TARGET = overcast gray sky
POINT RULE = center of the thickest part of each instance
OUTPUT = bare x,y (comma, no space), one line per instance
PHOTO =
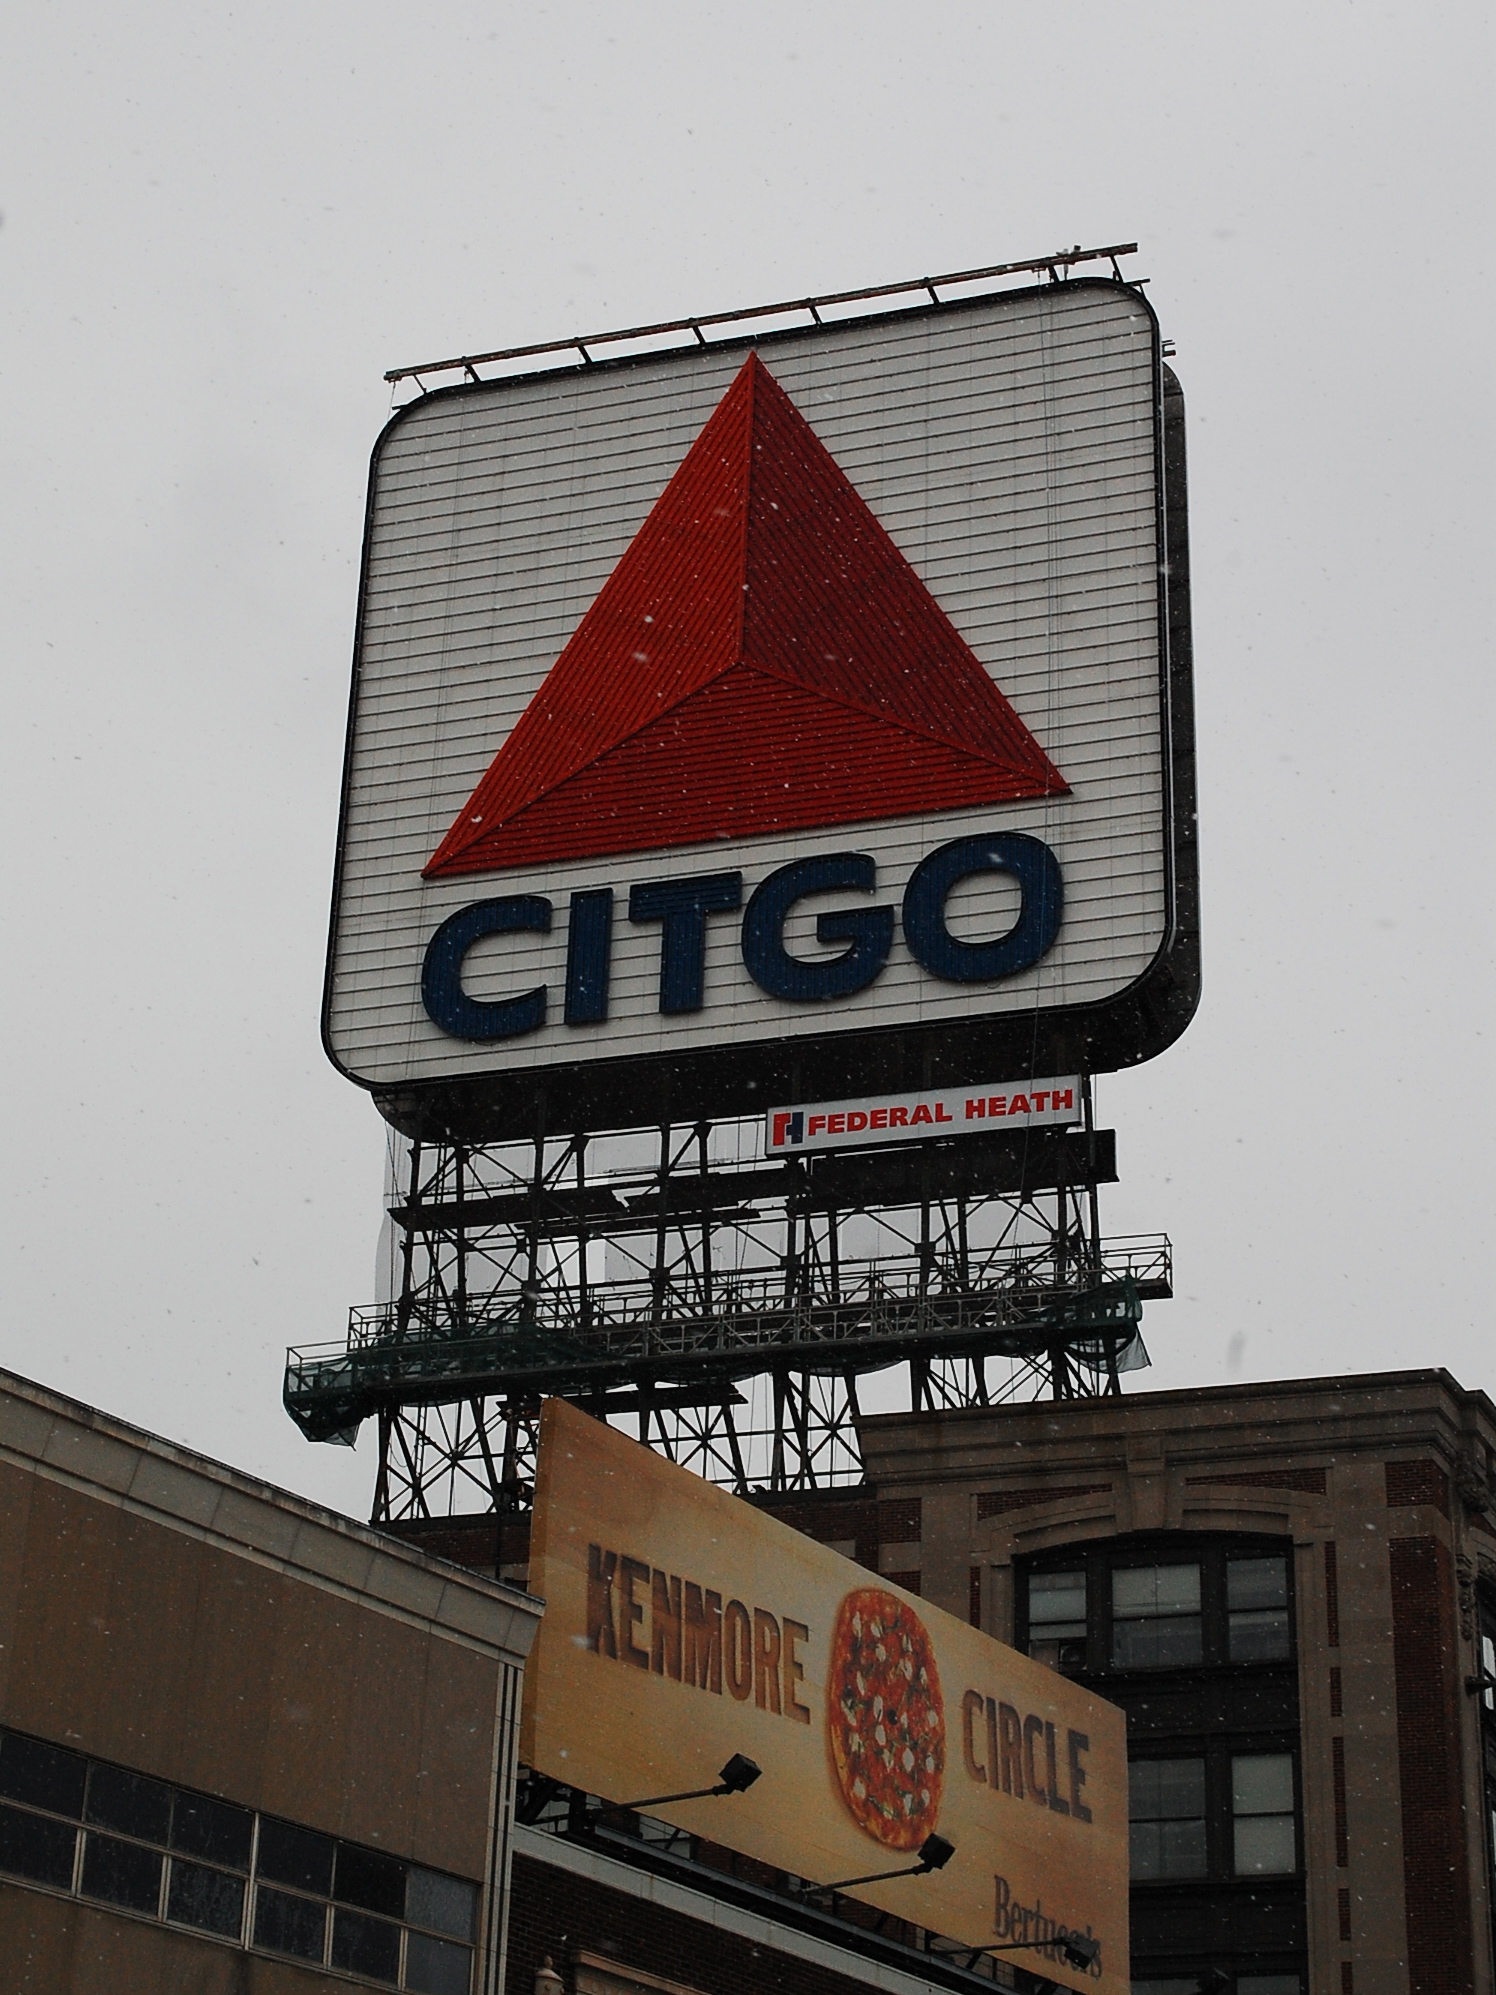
222,224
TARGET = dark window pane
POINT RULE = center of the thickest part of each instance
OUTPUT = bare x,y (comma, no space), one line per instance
1167,1806
128,1802
446,1904
1165,1644
295,1856
31,1846
284,1924
46,1776
1168,1849
436,1967
208,1899
1256,1583
365,1877
214,1829
1068,1655
1057,1602
361,1945
1181,1847
1262,1784
1260,1635
1265,1846
1166,1789
1154,1590
121,1874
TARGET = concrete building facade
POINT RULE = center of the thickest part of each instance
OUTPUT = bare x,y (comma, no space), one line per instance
245,1744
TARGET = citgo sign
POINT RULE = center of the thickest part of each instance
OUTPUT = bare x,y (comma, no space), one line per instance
683,1625
741,726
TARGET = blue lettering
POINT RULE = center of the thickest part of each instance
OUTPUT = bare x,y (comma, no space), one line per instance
931,943
681,907
589,947
868,930
448,1004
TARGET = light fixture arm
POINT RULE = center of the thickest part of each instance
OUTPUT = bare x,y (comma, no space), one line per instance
737,1777
873,1877
934,1854
1079,1950
661,1800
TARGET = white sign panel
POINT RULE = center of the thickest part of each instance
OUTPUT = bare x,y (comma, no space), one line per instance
714,708
912,1118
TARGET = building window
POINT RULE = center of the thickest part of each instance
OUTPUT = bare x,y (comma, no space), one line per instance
1112,1610
1168,1818
1057,1619
1156,1622
1263,1839
208,1900
1214,1813
100,1832
1192,1634
1257,1610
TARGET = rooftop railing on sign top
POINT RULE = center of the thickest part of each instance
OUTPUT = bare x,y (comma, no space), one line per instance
579,348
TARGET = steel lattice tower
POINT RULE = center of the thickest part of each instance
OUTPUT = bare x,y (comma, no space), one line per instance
725,1309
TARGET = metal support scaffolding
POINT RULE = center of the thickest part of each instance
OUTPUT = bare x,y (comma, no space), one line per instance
725,1309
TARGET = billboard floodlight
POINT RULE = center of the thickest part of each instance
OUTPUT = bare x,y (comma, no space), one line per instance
738,1775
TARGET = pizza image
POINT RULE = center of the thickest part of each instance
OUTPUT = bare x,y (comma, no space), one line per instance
885,1718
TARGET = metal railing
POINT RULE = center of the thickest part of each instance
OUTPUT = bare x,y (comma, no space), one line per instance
1057,265
559,1335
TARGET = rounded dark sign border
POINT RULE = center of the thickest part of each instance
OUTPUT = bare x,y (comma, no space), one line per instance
1133,1025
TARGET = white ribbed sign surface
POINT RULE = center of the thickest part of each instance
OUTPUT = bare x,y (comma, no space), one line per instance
1010,450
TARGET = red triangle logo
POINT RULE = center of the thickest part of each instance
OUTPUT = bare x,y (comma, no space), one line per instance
762,659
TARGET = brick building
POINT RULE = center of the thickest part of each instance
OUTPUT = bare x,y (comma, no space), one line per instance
1291,1589
623,1915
